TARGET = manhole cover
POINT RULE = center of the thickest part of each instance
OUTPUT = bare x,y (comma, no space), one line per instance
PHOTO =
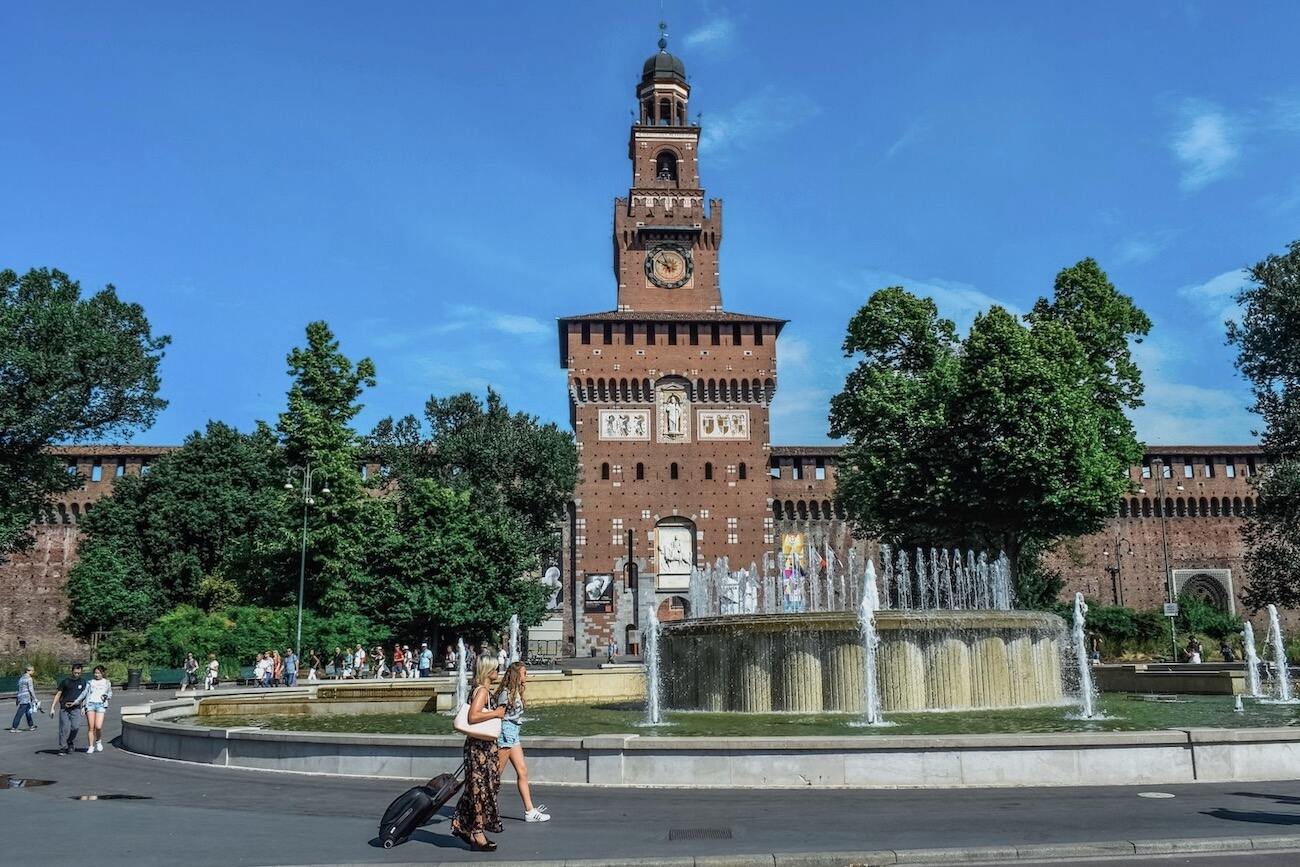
1154,795
109,798
699,834
9,781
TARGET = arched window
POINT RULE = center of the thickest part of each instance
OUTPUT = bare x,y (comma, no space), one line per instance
1182,508
1146,507
604,471
1205,508
1135,508
1236,507
640,472
777,510
665,112
672,471
1249,506
1169,507
816,510
1214,506
826,510
666,166
1123,508
740,471
708,470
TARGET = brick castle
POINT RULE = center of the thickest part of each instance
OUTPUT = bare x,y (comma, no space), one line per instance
669,398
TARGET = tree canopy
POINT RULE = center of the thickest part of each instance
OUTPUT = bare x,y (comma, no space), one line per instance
71,368
1011,438
1268,353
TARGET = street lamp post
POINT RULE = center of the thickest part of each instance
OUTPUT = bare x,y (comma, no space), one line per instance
305,474
1115,570
1157,471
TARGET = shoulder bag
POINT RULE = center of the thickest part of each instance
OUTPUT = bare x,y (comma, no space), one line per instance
488,730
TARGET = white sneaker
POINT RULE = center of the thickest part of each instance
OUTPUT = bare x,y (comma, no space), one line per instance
99,746
90,749
537,814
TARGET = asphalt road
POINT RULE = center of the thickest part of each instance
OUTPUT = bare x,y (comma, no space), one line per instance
197,815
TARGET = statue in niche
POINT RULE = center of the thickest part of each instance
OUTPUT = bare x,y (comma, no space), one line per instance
673,415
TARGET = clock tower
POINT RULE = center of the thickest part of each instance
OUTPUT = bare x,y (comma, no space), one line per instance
668,394
665,239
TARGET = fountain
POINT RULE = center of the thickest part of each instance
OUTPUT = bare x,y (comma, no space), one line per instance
652,716
462,675
946,637
1087,696
514,637
871,714
1252,660
1282,678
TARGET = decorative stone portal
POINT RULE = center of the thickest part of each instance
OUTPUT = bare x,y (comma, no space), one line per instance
941,660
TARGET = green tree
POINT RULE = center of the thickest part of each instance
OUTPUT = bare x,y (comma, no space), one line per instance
1013,438
315,430
202,526
71,368
467,565
1268,353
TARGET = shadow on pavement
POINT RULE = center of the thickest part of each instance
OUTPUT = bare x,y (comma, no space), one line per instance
441,841
1253,816
1278,799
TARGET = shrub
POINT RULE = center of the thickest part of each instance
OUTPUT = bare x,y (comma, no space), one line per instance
1198,616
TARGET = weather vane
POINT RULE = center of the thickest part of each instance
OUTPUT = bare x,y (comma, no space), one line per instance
663,35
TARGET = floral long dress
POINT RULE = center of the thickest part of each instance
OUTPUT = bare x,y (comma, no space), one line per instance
476,811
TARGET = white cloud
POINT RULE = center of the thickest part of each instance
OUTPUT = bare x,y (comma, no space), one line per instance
1206,145
765,114
960,302
1179,413
1144,247
916,131
1285,113
1217,297
715,33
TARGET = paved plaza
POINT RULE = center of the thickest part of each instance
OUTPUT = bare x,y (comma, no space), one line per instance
198,815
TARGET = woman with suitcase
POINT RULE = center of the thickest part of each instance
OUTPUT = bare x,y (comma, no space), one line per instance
476,811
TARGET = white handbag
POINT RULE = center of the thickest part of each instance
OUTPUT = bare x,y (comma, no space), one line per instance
488,730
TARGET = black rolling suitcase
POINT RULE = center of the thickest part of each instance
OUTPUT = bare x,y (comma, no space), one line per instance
416,806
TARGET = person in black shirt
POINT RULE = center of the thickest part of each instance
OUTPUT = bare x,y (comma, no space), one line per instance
67,703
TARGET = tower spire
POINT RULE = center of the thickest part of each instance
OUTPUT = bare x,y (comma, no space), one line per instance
663,36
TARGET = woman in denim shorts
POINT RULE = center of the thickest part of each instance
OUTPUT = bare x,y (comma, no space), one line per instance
98,693
509,748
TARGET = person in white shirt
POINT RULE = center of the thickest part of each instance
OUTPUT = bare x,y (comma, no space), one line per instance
359,662
502,660
214,670
98,693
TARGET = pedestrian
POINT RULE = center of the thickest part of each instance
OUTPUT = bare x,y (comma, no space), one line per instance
502,661
26,699
98,693
476,811
67,702
268,669
290,667
359,661
1226,650
191,678
612,648
315,666
214,673
448,658
509,747
277,668
412,662
399,661
381,668
1193,651
339,662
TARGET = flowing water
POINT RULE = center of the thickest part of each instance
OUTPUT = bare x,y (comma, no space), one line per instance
1281,672
871,714
652,714
514,637
462,676
1087,694
1252,660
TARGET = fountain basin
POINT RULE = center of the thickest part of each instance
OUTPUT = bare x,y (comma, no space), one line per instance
811,663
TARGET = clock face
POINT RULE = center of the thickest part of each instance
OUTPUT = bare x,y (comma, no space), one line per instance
668,266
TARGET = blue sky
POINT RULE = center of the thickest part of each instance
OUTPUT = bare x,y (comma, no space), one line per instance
436,180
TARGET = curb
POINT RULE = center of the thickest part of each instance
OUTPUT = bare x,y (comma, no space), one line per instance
886,857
